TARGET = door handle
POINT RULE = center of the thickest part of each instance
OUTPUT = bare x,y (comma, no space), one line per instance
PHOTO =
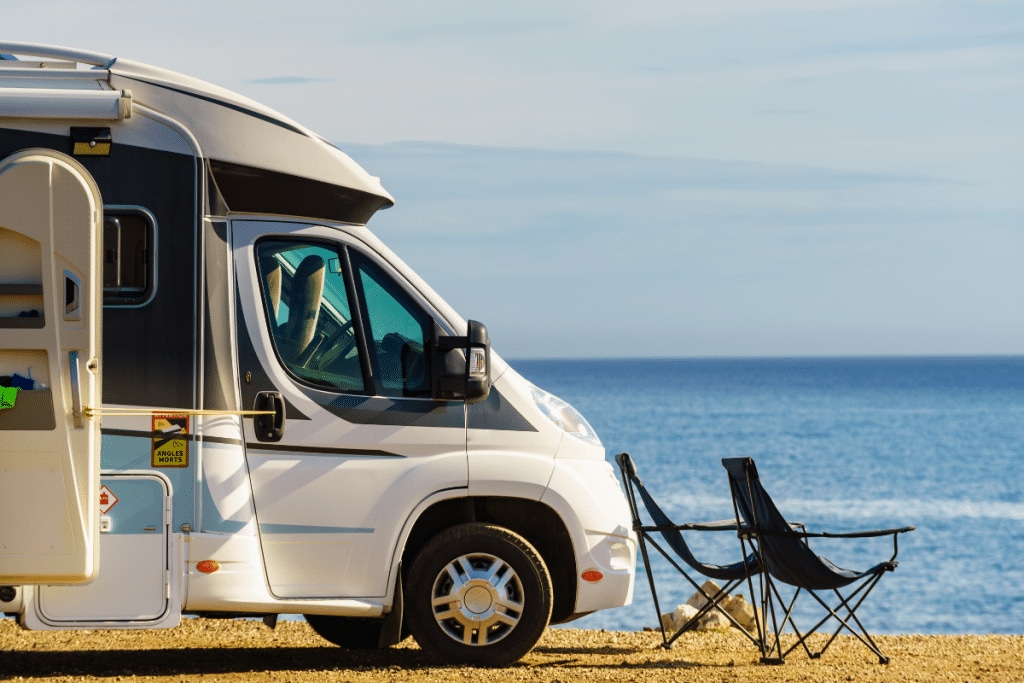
76,391
269,427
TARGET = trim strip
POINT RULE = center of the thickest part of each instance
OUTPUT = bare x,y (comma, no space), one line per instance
259,448
188,437
212,100
304,529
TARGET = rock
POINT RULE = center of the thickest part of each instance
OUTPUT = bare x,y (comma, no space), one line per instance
697,601
742,611
679,616
736,606
714,621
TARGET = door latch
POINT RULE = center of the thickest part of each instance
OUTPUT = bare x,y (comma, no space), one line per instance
269,427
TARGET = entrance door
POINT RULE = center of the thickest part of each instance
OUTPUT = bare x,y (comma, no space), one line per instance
332,328
50,305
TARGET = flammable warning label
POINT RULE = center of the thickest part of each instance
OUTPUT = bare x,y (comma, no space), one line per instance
170,441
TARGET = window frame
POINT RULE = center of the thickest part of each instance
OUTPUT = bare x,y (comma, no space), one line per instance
362,329
398,284
116,298
338,249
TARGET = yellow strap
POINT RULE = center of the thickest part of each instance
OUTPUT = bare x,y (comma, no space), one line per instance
138,412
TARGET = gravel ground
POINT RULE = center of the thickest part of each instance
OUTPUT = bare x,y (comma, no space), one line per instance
208,650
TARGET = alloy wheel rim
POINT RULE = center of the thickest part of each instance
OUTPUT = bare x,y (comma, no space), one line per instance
477,599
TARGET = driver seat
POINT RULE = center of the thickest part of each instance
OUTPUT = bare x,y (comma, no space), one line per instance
306,291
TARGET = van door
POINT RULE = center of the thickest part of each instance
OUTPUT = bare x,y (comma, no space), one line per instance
331,328
50,304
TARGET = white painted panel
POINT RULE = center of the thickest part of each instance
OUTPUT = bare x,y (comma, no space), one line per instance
130,585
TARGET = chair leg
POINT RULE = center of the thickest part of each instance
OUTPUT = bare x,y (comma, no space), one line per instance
760,609
778,627
856,628
654,591
862,635
710,601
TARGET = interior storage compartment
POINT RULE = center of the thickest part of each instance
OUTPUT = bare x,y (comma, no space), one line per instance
33,408
21,282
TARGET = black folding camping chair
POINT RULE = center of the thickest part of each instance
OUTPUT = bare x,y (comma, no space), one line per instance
672,534
786,557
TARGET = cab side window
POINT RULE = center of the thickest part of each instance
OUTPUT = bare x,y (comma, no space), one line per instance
398,332
378,346
307,305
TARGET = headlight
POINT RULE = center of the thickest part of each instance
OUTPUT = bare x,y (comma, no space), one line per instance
565,416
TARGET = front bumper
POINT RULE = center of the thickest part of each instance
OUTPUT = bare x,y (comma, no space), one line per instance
588,497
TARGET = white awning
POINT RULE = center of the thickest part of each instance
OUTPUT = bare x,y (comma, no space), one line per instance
40,103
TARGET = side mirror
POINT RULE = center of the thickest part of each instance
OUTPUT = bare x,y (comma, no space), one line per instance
464,376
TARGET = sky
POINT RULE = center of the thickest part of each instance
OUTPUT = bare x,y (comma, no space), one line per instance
672,178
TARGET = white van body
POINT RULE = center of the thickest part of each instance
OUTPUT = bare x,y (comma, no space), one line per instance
234,400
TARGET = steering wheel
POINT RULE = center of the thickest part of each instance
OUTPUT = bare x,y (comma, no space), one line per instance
335,346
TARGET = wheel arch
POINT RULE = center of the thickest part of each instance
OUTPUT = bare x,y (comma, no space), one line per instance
534,521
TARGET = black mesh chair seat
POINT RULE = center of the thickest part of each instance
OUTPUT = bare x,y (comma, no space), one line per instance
787,557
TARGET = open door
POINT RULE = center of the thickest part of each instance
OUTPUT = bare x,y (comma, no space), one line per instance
50,313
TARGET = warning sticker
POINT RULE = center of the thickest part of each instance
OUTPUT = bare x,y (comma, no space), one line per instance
107,499
170,441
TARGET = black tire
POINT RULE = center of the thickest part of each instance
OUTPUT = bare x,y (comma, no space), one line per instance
353,633
500,596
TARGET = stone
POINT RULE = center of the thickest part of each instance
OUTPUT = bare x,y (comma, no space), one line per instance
678,617
736,606
714,621
666,621
742,611
697,601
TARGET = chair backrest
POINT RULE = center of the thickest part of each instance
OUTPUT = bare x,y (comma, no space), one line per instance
754,506
272,283
306,291
671,536
784,553
669,531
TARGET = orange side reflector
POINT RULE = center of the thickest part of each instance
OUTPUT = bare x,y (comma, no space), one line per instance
592,575
208,566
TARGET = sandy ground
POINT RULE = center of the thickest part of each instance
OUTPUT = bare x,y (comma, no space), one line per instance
207,650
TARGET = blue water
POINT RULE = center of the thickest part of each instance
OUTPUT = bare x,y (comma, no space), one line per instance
842,445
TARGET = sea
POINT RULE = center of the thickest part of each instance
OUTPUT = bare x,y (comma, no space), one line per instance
841,444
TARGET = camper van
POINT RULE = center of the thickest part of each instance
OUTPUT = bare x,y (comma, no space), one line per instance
222,396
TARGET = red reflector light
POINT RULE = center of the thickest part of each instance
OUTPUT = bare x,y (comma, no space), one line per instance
592,575
208,566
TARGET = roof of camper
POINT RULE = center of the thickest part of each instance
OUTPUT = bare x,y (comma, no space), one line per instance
227,127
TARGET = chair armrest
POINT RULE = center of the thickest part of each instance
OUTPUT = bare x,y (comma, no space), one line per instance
722,525
864,534
718,525
830,534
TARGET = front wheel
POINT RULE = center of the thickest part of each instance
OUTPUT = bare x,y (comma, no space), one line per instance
478,594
